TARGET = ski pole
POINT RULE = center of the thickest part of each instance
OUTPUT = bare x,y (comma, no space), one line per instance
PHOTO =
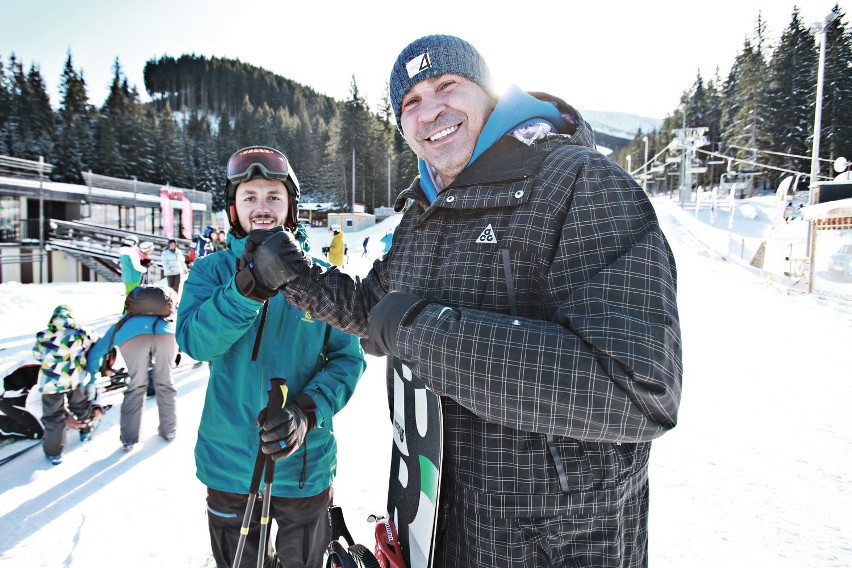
277,395
277,399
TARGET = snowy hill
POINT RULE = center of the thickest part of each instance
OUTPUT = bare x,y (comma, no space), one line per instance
619,124
757,472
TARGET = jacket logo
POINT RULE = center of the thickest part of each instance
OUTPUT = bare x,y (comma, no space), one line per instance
308,318
418,64
487,235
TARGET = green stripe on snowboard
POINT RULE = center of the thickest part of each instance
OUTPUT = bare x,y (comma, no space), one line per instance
428,479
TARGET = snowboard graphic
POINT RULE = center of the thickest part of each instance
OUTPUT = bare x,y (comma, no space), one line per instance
415,475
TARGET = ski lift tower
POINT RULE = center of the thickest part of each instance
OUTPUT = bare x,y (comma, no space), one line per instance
687,140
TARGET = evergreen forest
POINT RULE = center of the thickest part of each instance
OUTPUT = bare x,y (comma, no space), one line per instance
202,109
762,114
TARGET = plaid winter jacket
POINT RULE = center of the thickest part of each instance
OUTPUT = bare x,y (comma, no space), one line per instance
553,336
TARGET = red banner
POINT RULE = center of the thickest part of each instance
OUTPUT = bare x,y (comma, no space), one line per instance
166,213
186,217
167,195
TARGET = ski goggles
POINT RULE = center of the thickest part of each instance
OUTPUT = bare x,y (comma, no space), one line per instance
256,161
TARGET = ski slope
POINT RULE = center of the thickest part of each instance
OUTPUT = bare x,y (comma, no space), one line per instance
758,471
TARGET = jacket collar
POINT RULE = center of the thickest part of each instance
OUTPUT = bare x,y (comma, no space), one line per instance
507,159
237,246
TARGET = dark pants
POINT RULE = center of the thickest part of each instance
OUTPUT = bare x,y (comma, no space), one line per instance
173,280
140,352
302,525
54,414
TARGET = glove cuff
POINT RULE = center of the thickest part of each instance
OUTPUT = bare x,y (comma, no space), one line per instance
248,286
307,405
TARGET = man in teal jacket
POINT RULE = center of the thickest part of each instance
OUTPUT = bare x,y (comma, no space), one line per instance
251,335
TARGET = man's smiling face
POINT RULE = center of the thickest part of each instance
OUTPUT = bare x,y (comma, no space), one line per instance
261,203
442,118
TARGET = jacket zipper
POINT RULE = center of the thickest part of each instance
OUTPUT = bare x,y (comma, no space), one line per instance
513,308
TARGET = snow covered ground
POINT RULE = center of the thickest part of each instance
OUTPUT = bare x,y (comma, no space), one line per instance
757,473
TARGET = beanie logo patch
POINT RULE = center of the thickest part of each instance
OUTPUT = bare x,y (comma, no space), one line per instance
418,64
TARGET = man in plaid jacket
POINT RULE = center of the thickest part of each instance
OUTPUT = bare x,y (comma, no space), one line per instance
530,286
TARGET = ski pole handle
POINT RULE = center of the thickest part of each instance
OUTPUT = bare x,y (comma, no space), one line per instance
277,395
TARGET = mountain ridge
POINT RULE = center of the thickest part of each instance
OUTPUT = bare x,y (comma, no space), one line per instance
620,125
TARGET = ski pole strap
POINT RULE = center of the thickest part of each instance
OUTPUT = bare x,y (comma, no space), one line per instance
338,525
356,556
259,462
256,347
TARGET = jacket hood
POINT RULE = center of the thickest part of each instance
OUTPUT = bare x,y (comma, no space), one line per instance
61,318
576,127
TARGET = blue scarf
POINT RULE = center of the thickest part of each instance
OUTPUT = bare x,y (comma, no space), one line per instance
514,110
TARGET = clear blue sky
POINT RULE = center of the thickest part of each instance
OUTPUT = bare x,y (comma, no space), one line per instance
597,55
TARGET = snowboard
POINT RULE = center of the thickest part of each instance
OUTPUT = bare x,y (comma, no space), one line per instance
415,473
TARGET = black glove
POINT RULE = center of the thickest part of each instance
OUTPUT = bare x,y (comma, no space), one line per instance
245,279
383,321
285,430
279,261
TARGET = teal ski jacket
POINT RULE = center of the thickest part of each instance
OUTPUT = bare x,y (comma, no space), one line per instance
216,323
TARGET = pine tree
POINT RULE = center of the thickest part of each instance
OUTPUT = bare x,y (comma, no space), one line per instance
353,143
31,120
836,131
75,140
110,159
790,95
244,133
43,119
169,151
744,106
5,109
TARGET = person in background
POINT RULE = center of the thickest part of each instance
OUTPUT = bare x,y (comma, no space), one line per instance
174,265
251,334
366,242
222,239
129,263
214,244
387,241
531,287
201,243
148,345
146,249
68,390
337,250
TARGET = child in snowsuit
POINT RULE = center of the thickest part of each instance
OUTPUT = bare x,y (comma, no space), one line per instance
68,391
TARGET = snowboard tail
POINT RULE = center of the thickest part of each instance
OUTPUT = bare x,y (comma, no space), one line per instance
416,456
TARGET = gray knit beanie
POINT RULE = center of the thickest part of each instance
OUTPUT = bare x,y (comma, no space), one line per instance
435,55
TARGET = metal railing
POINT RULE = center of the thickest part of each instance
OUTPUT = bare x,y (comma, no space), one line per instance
23,258
143,187
24,168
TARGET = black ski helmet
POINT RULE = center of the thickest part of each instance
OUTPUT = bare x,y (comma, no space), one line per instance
260,161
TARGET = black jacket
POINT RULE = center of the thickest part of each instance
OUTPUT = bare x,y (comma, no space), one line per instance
554,318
